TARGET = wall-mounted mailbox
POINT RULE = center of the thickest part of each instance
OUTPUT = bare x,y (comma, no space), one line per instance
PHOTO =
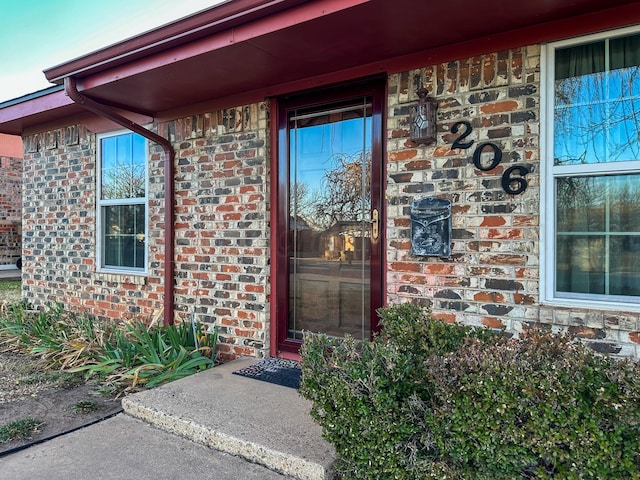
431,227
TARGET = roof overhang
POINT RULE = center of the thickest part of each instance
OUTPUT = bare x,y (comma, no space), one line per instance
246,50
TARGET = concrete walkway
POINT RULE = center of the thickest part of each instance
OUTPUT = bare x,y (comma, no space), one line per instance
213,425
125,448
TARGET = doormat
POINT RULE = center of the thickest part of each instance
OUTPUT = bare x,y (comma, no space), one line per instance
274,370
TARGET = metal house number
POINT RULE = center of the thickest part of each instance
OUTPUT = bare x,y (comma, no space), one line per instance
513,181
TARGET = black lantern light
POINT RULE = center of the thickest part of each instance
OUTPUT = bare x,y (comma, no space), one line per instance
422,119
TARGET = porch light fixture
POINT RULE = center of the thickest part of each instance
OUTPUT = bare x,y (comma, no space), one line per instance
422,119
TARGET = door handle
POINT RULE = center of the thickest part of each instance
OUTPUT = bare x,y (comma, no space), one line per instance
375,224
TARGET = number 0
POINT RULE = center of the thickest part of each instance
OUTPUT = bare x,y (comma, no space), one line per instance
497,156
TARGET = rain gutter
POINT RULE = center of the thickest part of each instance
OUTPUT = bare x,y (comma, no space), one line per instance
169,157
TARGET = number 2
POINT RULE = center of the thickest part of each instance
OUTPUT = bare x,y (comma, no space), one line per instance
458,143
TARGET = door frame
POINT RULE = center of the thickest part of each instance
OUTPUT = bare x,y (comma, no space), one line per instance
374,87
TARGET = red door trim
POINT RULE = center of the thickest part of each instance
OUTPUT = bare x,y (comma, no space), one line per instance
279,305
273,292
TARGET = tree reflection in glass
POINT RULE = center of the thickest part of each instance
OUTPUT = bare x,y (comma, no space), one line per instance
329,213
598,235
596,127
122,200
597,102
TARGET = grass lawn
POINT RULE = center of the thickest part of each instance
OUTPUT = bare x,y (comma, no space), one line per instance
9,286
22,429
10,291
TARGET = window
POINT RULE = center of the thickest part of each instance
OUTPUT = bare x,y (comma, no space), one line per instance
122,201
593,169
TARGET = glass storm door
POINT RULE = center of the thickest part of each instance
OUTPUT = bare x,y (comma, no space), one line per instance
331,231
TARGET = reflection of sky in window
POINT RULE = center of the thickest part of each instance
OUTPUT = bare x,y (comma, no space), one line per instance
315,146
123,156
123,150
597,117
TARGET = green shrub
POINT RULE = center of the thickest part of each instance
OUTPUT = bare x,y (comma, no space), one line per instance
128,353
428,399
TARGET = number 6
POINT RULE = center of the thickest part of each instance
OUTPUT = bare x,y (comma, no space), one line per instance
508,180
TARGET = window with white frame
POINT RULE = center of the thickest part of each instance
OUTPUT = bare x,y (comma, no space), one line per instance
593,168
122,202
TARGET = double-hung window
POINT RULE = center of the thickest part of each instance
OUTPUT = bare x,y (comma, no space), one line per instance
122,202
593,169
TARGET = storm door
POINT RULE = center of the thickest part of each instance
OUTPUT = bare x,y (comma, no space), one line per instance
329,230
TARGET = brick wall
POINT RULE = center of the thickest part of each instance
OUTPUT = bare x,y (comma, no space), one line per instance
10,210
493,275
221,229
222,251
59,236
222,236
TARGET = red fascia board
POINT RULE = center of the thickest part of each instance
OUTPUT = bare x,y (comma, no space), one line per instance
616,17
222,16
551,31
35,106
243,33
220,19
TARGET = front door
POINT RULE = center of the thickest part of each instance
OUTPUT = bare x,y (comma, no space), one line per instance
329,227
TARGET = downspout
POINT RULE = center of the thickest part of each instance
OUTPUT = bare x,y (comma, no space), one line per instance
169,155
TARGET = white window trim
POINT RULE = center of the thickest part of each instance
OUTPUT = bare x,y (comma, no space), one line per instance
547,196
100,267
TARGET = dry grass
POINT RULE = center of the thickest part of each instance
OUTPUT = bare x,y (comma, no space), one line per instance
10,291
24,376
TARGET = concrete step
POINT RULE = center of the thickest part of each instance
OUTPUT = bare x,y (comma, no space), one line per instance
264,423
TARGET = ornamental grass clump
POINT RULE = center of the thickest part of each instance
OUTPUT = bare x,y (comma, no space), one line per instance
130,354
426,399
20,429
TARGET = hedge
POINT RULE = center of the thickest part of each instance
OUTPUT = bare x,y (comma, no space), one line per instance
432,400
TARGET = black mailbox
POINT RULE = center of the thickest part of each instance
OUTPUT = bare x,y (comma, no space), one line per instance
431,227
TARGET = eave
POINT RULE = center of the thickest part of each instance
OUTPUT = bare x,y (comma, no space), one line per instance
247,50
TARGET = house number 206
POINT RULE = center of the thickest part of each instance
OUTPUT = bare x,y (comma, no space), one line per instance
513,181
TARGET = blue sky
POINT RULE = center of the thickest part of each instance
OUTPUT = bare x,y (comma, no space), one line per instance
38,34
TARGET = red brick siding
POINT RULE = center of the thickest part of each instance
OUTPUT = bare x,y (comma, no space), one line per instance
492,277
10,209
221,227
60,233
222,204
222,236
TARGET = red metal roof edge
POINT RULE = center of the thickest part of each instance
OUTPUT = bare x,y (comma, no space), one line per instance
30,96
616,17
33,105
50,100
206,22
29,107
306,11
